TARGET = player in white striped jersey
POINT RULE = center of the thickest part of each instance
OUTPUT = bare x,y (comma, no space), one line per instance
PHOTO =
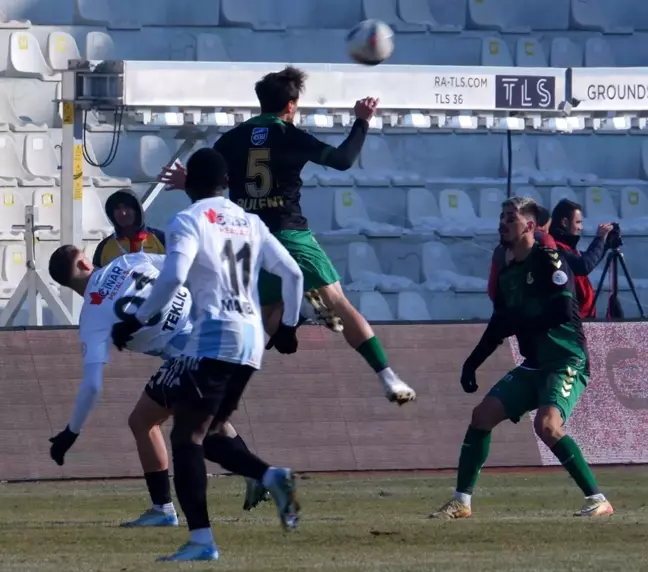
110,293
218,250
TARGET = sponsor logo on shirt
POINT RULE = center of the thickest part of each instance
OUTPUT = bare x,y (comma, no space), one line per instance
175,312
110,286
228,223
259,136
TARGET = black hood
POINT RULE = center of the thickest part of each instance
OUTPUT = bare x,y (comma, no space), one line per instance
126,197
561,235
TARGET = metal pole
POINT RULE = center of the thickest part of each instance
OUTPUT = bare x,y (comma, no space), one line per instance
71,179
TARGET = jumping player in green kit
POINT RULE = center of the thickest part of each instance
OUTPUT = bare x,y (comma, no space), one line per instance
535,302
265,156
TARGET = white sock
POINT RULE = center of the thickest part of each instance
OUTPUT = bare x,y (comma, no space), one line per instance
202,536
387,375
463,498
599,496
167,508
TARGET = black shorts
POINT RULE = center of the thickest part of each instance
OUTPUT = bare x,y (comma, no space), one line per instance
206,384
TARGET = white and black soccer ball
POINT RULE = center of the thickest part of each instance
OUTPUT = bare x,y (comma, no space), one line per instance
370,42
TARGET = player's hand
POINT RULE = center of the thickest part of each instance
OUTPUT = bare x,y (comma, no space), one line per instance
122,332
469,380
61,444
603,230
174,177
284,339
365,108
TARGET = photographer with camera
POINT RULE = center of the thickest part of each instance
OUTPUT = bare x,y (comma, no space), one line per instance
566,227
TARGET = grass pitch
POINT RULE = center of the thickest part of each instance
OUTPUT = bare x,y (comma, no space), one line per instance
358,523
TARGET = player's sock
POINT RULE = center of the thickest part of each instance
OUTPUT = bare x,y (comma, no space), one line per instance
202,536
190,478
159,488
570,456
232,454
374,354
474,452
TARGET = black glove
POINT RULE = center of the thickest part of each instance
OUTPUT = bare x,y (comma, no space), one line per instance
469,379
122,332
61,444
284,339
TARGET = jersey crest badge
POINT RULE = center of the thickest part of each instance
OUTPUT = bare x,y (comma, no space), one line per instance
529,278
259,136
559,278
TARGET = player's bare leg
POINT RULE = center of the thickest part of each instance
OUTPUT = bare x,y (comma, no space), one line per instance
361,337
548,425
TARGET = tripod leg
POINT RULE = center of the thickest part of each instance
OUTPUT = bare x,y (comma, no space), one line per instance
631,284
606,268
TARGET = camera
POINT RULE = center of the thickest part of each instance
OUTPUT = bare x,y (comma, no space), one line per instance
614,239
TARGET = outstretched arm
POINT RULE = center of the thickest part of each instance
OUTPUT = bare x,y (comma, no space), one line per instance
87,396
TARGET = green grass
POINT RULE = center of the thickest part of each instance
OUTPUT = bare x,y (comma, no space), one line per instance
522,522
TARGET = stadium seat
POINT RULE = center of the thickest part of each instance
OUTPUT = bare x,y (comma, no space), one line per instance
560,193
100,46
13,266
387,11
48,206
555,168
374,307
497,15
107,14
351,217
96,225
530,53
495,52
634,211
379,168
418,12
529,192
423,213
441,274
183,47
599,208
524,165
255,14
456,206
565,54
39,156
591,15
89,247
42,252
9,23
209,48
12,167
598,54
490,206
26,58
366,274
61,47
9,116
412,307
154,154
12,213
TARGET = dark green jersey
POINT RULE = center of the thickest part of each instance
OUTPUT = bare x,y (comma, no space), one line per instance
265,157
527,293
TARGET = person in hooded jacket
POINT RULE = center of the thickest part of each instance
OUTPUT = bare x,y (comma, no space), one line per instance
126,214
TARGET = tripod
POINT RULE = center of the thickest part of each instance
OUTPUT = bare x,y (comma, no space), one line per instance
614,259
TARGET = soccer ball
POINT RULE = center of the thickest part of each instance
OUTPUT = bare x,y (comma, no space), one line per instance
370,42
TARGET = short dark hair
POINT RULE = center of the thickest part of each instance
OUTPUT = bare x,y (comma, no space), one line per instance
61,264
543,216
564,209
275,90
206,173
526,206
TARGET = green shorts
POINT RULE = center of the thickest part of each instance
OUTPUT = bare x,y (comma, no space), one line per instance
522,390
314,263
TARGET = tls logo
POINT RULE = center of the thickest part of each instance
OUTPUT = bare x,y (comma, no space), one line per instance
259,136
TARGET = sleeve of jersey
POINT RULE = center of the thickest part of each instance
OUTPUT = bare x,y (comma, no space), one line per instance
339,158
87,396
277,260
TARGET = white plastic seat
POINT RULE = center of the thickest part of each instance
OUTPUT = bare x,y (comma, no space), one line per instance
89,247
494,15
441,274
490,205
154,154
418,12
412,307
96,225
350,215
210,48
598,54
590,15
529,53
366,273
9,116
560,193
48,205
529,192
599,208
12,212
26,58
13,265
456,206
183,47
61,47
110,14
555,168
565,54
40,157
375,308
309,174
524,165
43,250
634,211
100,46
12,169
494,52
387,11
423,212
255,14
379,168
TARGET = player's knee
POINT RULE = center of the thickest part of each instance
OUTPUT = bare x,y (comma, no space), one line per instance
137,425
548,428
486,416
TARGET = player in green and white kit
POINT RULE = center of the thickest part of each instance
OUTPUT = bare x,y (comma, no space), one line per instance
535,301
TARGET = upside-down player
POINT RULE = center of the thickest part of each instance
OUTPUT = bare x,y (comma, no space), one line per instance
265,156
109,293
218,250
535,301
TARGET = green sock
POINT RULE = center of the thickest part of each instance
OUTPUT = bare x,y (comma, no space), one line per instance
571,457
373,353
474,453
